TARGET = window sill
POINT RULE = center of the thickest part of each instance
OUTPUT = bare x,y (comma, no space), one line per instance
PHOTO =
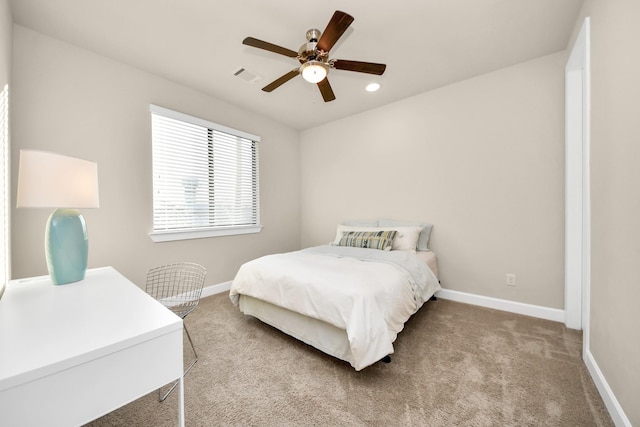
168,236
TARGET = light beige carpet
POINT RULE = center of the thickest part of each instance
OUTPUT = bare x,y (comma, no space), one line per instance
454,365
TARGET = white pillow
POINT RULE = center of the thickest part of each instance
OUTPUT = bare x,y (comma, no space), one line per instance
423,240
406,239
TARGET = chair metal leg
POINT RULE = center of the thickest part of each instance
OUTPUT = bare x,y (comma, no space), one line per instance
163,397
195,353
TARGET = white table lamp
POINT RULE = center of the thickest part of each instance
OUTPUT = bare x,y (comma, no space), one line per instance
48,180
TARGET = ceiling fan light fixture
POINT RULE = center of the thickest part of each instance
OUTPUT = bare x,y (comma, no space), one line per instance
314,71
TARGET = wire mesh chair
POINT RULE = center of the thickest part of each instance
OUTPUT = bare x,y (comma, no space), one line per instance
178,287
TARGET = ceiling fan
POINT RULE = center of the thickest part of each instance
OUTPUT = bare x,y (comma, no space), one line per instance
314,56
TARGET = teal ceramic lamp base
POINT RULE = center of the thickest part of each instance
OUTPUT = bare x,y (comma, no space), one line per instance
66,246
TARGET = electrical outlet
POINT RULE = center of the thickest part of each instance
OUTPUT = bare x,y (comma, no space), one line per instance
511,279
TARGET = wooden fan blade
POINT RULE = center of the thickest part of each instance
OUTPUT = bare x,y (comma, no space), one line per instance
338,24
360,67
326,91
250,41
281,80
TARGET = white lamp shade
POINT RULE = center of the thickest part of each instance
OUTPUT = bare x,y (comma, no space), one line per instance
48,180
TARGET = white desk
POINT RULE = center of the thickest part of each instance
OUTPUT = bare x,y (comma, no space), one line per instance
72,353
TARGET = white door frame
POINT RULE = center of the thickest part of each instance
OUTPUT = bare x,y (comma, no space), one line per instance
577,187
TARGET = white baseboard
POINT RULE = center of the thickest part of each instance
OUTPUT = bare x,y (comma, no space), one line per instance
547,313
489,302
207,291
613,406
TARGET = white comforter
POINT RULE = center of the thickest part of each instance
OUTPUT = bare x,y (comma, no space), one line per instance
367,292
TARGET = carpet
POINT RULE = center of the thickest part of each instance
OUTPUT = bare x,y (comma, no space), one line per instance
454,365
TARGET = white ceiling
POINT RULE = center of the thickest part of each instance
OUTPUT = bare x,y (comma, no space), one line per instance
198,43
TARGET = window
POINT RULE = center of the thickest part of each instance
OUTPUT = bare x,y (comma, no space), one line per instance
5,192
205,178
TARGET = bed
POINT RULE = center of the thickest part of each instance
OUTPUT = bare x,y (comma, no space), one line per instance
349,298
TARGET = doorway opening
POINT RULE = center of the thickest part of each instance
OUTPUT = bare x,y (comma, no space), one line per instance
577,190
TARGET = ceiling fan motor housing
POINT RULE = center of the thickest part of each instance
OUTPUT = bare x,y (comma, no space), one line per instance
307,52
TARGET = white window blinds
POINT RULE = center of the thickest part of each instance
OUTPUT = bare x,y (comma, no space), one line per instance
205,178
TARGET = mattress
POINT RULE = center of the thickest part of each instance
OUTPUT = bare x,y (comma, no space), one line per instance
431,259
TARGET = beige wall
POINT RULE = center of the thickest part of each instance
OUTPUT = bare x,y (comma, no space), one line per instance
5,77
73,102
5,44
615,197
482,160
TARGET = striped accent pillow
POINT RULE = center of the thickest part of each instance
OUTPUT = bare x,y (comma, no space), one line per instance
368,239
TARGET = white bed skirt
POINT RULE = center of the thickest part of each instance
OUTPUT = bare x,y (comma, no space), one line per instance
321,335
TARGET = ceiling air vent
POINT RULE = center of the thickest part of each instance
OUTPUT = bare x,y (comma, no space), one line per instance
247,75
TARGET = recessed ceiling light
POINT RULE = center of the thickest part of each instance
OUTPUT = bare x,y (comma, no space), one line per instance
372,87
